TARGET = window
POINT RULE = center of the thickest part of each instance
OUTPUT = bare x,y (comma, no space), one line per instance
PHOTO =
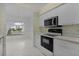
17,28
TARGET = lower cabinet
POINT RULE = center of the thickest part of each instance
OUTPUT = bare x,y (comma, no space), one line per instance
37,40
65,48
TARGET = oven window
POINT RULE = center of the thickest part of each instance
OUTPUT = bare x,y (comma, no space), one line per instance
47,43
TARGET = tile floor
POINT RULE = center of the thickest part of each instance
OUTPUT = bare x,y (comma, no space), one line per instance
20,45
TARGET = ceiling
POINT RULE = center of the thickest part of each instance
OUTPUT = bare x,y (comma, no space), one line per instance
21,11
33,7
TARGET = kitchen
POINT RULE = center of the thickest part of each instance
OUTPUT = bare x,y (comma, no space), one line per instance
50,30
65,44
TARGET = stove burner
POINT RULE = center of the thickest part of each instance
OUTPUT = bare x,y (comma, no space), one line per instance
50,35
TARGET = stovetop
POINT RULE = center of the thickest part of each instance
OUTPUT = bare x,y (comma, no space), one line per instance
50,35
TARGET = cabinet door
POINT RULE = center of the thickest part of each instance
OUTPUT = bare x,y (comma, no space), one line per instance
42,21
65,48
67,14
59,50
37,40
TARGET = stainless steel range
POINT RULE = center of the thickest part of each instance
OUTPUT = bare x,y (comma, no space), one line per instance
47,40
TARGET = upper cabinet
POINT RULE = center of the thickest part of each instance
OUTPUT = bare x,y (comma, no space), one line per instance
68,14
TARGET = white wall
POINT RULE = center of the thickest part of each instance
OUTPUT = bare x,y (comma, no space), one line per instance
20,14
2,20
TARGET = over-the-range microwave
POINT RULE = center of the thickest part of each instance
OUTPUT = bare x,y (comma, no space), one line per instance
53,21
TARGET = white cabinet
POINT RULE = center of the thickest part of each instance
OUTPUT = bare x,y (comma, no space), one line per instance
42,21
37,40
67,14
65,48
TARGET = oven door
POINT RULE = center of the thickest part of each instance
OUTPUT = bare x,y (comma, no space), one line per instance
47,43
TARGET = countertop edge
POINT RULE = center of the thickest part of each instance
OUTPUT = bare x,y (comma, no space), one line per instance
68,39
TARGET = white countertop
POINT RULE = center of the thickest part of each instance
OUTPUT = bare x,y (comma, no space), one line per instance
70,39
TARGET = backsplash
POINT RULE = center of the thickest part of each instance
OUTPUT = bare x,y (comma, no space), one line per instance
71,30
43,29
68,30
